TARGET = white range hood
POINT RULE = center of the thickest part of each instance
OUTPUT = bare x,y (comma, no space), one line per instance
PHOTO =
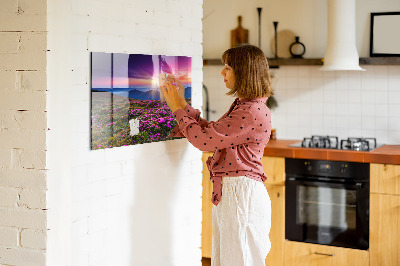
341,51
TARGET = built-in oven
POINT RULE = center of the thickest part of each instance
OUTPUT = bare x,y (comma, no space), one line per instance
327,202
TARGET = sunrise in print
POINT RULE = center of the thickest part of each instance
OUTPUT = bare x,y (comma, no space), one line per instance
128,106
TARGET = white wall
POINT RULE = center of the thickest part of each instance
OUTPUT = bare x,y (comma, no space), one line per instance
311,102
306,19
344,103
135,205
23,133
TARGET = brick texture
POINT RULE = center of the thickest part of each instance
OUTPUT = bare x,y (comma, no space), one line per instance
23,125
9,237
33,199
8,197
45,161
17,256
23,218
23,178
33,239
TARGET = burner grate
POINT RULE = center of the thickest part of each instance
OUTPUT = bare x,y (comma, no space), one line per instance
332,142
327,142
358,144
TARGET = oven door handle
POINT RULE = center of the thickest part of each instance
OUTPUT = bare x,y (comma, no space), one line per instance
357,185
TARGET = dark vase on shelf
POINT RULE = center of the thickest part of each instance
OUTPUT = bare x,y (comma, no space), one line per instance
297,49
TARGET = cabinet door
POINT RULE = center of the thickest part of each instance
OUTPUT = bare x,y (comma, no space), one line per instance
274,168
385,178
304,254
206,232
277,233
384,230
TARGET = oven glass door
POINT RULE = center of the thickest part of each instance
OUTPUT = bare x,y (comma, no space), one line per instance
326,207
326,213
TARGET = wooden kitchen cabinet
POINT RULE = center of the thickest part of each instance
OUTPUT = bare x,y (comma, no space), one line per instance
384,236
277,233
385,215
206,225
274,168
305,254
385,178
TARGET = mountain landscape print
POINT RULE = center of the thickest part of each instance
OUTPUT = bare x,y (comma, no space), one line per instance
127,106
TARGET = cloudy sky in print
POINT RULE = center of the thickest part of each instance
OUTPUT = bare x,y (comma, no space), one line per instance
137,71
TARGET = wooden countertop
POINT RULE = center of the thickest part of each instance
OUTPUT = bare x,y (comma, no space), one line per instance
389,154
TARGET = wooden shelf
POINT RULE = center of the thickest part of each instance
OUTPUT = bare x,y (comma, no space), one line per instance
380,61
295,62
212,62
274,63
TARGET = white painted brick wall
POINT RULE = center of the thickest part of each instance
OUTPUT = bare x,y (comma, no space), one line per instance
23,178
92,196
8,197
9,237
32,120
124,205
11,256
5,158
34,239
23,16
26,139
22,132
23,218
33,198
21,100
9,42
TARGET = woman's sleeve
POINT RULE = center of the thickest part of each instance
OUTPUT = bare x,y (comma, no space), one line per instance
193,113
229,131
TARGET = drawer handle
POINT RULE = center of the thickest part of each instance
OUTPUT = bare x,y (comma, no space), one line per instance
324,254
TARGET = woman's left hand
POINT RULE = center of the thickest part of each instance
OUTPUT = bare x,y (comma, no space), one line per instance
171,94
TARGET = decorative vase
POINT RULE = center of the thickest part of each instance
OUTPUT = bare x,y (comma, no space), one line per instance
297,49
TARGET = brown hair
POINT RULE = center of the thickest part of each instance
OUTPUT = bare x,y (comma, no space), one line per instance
250,66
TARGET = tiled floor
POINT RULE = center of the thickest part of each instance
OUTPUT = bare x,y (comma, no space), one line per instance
206,261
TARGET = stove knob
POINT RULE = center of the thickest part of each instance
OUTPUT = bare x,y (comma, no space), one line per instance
343,168
308,166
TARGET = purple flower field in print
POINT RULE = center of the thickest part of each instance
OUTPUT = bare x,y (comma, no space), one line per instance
110,124
126,106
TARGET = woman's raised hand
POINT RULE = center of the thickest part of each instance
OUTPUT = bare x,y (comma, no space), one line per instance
181,91
174,93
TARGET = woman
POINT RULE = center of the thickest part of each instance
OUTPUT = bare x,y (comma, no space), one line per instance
242,208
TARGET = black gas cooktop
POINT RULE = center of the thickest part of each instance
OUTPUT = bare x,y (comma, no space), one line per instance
332,142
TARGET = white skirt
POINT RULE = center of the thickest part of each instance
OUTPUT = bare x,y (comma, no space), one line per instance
241,223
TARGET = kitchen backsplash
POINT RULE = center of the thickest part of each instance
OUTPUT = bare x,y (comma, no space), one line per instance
314,102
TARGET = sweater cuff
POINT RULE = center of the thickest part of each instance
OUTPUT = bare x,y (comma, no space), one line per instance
191,111
176,132
179,114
